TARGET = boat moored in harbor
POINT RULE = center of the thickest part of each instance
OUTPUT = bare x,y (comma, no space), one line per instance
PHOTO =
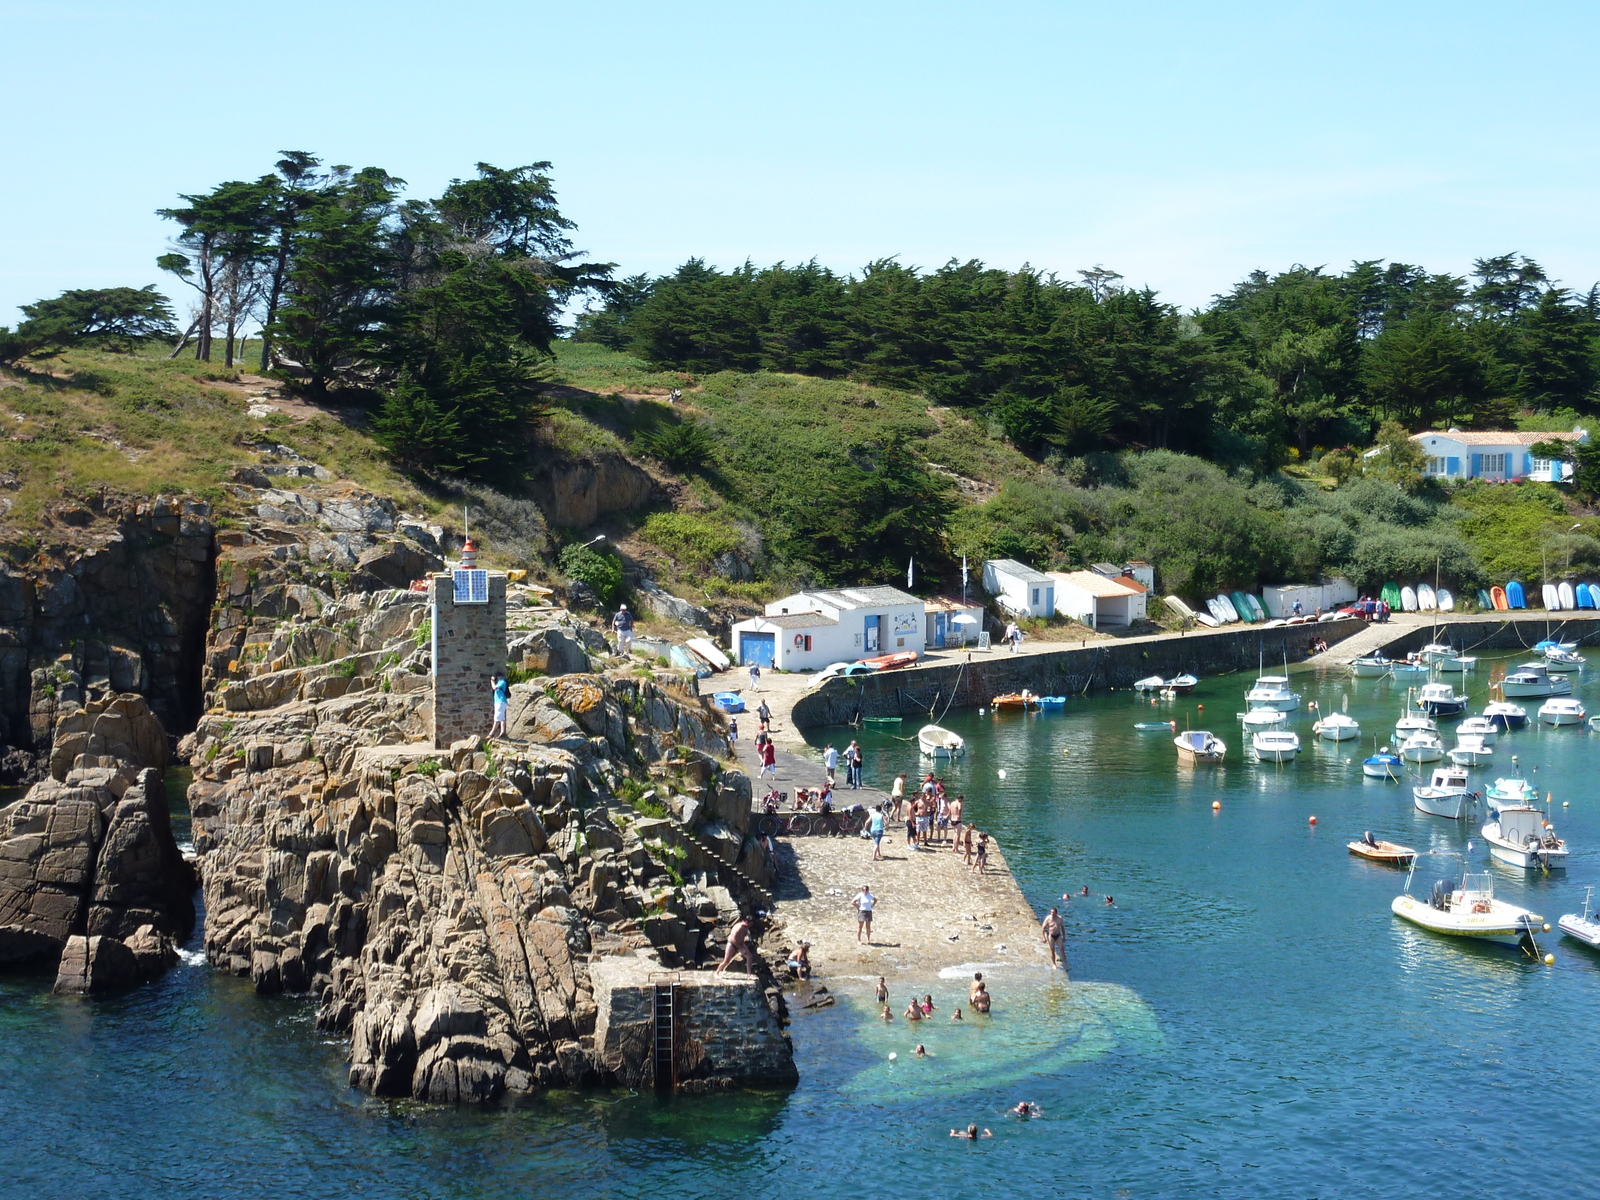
1471,911
1534,680
1470,750
1422,747
1520,835
1447,795
1562,710
1275,745
1505,714
1199,746
1440,700
1385,764
1389,853
1337,727
938,742
1479,727
1584,926
1272,691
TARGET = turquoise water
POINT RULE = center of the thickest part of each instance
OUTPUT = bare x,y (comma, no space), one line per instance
1248,1020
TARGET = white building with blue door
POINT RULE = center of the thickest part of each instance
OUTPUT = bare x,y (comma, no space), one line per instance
1492,454
1019,589
811,630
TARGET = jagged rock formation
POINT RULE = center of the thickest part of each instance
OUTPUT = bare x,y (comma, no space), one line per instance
443,907
89,873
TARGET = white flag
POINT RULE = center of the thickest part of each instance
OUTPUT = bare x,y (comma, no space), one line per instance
910,562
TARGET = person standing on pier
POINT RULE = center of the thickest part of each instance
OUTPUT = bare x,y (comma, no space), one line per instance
863,904
852,764
875,827
956,806
897,794
1054,931
830,761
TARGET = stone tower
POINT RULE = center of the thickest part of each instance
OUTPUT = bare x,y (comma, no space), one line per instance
468,611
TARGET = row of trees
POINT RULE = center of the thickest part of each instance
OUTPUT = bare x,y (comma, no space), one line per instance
1298,360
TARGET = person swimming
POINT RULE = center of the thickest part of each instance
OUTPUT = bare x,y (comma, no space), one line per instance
1026,1109
970,1133
956,1016
921,1051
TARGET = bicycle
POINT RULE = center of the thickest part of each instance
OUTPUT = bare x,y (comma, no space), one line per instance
791,824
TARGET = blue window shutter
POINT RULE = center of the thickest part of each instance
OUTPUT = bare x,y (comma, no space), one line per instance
1477,465
1452,466
1527,464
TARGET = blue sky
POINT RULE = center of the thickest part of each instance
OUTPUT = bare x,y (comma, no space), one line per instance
1181,144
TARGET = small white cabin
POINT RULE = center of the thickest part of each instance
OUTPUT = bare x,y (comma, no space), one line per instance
1020,589
811,630
1098,601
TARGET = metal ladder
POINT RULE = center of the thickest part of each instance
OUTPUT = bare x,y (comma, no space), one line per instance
666,1035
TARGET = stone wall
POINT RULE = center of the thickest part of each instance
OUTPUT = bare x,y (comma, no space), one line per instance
469,646
727,1032
1493,633
1066,672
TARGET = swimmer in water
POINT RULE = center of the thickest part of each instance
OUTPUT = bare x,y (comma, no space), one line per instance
1110,902
957,1015
1085,891
970,1133
921,1051
883,991
913,1011
1025,1109
886,1014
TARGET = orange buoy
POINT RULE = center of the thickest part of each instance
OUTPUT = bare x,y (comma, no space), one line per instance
1216,805
1313,820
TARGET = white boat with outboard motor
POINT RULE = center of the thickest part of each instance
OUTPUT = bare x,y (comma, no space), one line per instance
938,742
1470,751
1480,727
1505,714
1409,669
1258,719
1414,723
1534,681
1584,926
1557,659
1150,683
1520,835
1272,691
1275,745
1456,664
1434,651
1471,911
1384,764
1563,710
1336,727
1447,795
1371,666
1422,747
1199,746
1183,684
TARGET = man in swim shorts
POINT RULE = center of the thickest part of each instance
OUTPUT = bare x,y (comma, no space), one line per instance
1054,931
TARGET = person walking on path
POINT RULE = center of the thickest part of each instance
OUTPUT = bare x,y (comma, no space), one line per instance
875,828
830,760
502,702
897,794
980,864
623,624
755,677
769,761
1054,931
1012,636
863,904
764,713
733,729
852,764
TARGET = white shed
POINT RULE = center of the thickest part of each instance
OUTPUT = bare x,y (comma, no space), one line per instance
1098,601
1330,594
1020,589
810,630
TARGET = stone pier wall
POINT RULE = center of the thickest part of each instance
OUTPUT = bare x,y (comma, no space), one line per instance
1066,672
1488,634
727,1032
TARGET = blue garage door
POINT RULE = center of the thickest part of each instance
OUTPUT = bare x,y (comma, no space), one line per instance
758,648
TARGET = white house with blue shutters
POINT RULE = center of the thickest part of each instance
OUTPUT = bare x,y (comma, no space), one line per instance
1492,454
811,630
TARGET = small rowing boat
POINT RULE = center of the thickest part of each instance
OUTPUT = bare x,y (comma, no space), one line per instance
938,742
1024,700
1389,853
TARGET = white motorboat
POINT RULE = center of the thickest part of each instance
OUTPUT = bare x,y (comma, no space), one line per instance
1505,714
1480,727
1441,700
1584,926
1457,664
1470,751
1511,790
1337,727
1258,719
1434,651
1385,764
1562,710
1414,723
1275,745
1558,659
1533,680
1198,746
1150,683
938,742
1272,691
1520,835
1471,911
1409,669
1183,684
1446,796
1371,666
1422,748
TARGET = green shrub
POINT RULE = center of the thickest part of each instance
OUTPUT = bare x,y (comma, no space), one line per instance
601,571
681,445
690,537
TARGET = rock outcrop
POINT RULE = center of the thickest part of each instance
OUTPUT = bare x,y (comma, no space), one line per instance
444,908
90,875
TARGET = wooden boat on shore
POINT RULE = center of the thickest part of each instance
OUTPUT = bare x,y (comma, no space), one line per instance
938,742
708,650
1024,700
1389,853
892,662
1199,746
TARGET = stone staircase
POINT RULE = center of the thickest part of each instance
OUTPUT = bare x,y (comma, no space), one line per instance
762,896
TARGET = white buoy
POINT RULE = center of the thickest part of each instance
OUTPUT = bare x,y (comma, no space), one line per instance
1002,772
893,1056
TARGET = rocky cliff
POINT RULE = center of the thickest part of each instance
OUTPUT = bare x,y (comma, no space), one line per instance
443,908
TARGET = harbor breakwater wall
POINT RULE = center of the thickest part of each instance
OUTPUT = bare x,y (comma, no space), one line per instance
1484,634
1072,671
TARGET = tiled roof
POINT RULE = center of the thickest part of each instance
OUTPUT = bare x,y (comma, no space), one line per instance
949,604
1497,438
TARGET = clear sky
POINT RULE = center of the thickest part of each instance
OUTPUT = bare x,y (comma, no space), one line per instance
1180,144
